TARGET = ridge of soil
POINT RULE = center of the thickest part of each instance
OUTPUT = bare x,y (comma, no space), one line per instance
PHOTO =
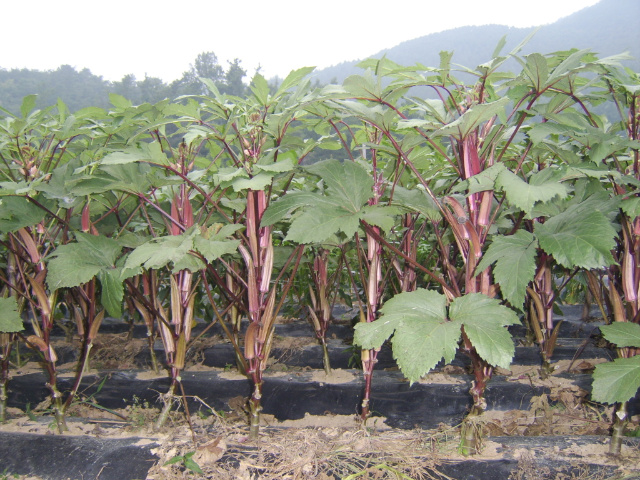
535,428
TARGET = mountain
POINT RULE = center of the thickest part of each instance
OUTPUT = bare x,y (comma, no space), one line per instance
607,28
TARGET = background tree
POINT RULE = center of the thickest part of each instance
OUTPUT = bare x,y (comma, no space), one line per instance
233,84
205,66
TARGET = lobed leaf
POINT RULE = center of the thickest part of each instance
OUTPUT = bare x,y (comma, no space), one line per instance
417,200
422,335
524,195
213,249
381,216
616,381
348,183
159,252
485,180
77,263
578,238
622,334
484,320
285,205
293,79
473,117
317,224
492,341
419,343
257,182
515,264
18,212
374,334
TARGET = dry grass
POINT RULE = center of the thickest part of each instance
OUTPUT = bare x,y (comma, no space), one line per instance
305,453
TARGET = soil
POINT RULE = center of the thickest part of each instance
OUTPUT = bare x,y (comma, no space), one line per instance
539,429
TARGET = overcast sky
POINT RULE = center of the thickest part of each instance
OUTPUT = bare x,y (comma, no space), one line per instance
161,38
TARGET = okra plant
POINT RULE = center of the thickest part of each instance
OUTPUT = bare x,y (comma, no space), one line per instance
616,145
180,240
40,210
257,151
464,197
497,184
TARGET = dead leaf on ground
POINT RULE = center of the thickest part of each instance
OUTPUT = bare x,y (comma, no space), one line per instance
210,452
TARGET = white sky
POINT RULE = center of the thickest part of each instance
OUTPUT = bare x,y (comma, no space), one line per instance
161,38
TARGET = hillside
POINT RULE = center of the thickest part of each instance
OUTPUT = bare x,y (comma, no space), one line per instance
607,28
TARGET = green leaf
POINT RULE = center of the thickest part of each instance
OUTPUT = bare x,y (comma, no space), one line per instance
214,249
10,320
28,104
71,267
190,262
257,182
318,224
381,216
540,131
537,70
18,212
77,263
340,209
285,165
569,64
363,86
485,180
260,89
616,381
515,264
174,460
285,205
293,79
524,195
119,101
631,206
228,174
191,464
374,334
103,249
149,152
112,291
161,251
421,343
417,200
492,342
422,336
131,177
484,320
422,302
622,334
578,237
348,183
473,117
499,47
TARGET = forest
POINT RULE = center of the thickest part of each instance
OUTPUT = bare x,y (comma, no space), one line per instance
81,89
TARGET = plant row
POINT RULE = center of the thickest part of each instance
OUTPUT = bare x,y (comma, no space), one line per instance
445,203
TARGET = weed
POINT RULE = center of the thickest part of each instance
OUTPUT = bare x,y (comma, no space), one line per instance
381,468
5,475
633,433
186,461
30,413
139,412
